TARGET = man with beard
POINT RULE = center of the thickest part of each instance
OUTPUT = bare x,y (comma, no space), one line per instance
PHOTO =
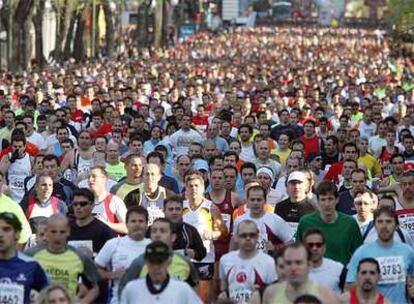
365,289
396,259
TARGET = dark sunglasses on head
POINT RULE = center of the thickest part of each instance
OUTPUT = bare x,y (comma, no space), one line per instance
81,204
316,244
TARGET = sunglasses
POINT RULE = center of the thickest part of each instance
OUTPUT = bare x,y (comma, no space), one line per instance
248,235
316,245
81,204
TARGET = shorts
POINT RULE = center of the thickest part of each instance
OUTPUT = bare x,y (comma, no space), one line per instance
205,270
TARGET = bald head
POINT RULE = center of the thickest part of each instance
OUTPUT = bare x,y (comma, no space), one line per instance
112,153
57,233
58,218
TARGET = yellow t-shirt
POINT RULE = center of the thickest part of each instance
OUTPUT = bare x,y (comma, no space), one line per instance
283,155
371,163
9,205
65,268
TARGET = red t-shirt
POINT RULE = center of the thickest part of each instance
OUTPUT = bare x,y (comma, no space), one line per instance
104,130
312,145
77,116
31,149
334,172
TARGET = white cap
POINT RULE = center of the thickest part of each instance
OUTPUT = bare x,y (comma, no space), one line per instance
297,176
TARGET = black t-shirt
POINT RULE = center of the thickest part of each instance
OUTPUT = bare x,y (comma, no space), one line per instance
96,231
329,160
292,212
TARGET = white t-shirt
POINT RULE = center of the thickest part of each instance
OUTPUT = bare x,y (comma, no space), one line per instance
247,153
362,225
181,140
270,226
117,207
327,275
176,292
118,253
37,140
367,130
376,143
242,275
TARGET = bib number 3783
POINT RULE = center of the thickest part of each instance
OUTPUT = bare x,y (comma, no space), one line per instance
392,270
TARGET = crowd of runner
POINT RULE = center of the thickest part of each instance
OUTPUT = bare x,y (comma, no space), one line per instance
272,165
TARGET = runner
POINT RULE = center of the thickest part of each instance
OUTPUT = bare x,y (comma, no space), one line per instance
158,286
16,166
246,269
180,267
188,241
395,259
64,264
118,253
207,219
19,274
297,263
273,230
365,289
109,208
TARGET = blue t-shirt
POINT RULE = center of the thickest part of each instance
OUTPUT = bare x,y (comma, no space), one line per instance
396,263
18,276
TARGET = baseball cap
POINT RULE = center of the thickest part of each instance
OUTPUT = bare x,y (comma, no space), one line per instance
200,164
157,252
297,176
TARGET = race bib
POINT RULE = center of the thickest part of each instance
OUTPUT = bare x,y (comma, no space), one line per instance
406,218
392,270
261,244
11,293
84,246
153,214
240,295
17,184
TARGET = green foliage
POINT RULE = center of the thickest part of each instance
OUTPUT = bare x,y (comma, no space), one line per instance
402,13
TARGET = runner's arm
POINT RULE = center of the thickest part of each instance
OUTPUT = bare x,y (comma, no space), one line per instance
110,275
196,244
118,227
268,295
4,164
90,296
67,161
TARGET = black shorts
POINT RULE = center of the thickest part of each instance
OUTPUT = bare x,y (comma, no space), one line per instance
205,270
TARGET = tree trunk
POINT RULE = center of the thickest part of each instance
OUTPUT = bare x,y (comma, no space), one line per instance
38,26
64,15
109,29
67,51
158,20
19,30
78,47
166,7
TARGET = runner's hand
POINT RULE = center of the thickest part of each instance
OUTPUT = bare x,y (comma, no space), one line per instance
118,274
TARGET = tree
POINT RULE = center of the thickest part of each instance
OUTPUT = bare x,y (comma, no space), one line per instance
402,14
38,15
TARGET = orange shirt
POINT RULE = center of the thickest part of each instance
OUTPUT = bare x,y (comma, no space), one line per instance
239,211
